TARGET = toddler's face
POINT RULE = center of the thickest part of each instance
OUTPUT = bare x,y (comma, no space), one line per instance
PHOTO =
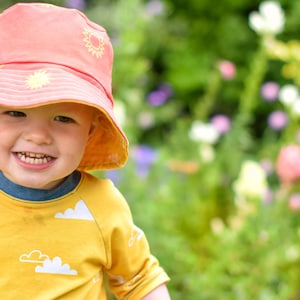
40,146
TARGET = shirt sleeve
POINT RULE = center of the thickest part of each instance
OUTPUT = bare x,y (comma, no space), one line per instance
132,271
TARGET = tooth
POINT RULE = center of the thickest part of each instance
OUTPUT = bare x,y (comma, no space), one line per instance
38,161
33,158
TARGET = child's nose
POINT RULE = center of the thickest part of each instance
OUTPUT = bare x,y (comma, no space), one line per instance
38,133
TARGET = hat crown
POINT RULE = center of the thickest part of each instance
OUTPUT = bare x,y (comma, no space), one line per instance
39,33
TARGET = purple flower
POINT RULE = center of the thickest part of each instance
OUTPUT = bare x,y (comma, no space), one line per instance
221,122
160,96
78,4
157,98
113,175
167,89
267,166
269,91
144,156
277,120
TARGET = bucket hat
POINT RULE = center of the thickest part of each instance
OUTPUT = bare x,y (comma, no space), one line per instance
51,54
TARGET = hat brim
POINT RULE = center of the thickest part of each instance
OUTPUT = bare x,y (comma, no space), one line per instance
29,85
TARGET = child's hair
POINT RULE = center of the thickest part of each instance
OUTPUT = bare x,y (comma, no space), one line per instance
51,54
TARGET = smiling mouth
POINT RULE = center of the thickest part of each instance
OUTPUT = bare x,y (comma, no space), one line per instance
34,158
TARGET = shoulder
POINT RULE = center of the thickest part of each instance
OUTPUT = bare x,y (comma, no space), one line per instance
102,195
97,186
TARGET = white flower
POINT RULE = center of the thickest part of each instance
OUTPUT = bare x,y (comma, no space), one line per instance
288,94
269,20
296,107
146,119
203,132
252,180
155,7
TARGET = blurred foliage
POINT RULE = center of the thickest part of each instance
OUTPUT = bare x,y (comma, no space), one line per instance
215,238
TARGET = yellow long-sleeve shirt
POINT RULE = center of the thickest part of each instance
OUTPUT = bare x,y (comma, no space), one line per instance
60,249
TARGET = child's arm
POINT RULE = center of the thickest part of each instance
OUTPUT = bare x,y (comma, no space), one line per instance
160,293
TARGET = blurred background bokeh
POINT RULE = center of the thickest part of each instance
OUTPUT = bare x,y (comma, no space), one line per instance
208,94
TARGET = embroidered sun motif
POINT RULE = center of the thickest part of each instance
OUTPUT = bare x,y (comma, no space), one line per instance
94,42
38,79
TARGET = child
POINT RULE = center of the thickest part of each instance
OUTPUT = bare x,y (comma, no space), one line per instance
62,229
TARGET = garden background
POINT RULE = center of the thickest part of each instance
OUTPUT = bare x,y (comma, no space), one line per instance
208,94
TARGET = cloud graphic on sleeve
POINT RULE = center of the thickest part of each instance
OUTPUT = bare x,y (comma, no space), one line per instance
80,212
136,235
55,266
35,256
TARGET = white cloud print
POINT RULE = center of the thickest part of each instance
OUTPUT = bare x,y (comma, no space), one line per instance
55,266
80,212
35,256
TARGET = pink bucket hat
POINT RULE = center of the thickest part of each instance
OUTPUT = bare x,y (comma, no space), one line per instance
52,54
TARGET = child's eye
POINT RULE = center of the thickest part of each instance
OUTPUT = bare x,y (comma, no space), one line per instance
64,119
15,113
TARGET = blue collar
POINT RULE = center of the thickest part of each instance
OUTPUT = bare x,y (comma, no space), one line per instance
31,194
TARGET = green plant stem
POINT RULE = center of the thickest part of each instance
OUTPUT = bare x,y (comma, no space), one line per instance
204,106
249,97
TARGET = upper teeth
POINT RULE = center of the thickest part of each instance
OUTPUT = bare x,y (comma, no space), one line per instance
31,154
33,158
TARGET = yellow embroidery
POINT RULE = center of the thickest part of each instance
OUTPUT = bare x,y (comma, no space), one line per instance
38,79
94,42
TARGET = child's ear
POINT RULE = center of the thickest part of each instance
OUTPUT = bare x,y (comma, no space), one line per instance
94,125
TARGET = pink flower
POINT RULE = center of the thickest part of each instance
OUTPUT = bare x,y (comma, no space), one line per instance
221,123
294,202
227,69
288,164
269,91
277,120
